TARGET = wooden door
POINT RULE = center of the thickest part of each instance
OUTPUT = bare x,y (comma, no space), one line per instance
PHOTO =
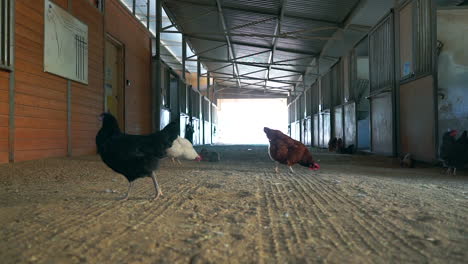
114,80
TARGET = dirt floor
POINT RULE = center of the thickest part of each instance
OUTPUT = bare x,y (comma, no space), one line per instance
356,209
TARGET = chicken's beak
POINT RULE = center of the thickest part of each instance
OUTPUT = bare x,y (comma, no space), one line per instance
199,158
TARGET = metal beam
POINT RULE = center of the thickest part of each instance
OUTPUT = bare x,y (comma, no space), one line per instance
208,50
275,39
183,22
344,26
232,55
253,35
258,64
254,45
148,14
157,79
184,57
256,10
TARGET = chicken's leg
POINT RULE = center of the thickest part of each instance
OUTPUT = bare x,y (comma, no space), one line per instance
130,185
156,186
290,169
180,163
173,161
276,167
454,171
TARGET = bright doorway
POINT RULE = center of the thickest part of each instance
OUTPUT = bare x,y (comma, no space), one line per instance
241,121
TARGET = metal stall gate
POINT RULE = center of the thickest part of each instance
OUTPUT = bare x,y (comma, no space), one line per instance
382,83
315,113
307,130
417,92
324,119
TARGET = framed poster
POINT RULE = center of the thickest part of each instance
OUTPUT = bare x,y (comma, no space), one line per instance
65,44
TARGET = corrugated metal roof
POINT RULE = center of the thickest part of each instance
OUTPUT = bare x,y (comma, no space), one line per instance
306,27
332,11
268,5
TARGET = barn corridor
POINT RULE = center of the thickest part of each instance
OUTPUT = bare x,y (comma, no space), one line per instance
358,208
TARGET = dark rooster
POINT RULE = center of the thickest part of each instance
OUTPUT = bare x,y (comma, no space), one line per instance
340,147
288,151
454,152
133,156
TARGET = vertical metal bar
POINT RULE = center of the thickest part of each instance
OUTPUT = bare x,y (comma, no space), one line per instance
157,57
209,104
133,7
7,37
11,118
148,13
184,56
434,64
200,103
69,102
184,79
3,26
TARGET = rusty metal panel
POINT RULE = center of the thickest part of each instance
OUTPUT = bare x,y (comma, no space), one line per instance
350,123
338,121
453,70
417,119
382,124
326,129
316,138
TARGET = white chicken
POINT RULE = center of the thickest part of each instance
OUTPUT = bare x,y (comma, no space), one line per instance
182,148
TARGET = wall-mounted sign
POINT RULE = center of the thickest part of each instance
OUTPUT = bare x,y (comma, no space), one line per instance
65,44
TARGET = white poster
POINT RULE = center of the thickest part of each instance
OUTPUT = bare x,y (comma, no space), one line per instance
65,44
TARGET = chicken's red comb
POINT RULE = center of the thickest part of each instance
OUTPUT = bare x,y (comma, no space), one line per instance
454,133
315,167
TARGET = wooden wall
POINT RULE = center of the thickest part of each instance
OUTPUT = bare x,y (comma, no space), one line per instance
40,98
4,109
87,100
121,25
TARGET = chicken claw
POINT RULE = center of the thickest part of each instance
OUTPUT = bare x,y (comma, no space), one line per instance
156,186
125,198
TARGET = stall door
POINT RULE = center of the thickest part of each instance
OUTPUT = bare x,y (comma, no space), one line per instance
114,80
381,57
417,91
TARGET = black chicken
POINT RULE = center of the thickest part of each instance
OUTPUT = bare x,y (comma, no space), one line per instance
133,156
454,152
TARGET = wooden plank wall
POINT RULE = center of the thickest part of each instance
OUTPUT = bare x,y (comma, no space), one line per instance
4,110
87,100
41,110
40,98
121,25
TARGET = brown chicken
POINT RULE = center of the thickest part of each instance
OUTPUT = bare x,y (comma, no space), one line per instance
288,151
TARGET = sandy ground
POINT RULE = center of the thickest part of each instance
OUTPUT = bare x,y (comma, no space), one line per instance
356,209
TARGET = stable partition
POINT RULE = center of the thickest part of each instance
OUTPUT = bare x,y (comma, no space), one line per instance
338,122
350,128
